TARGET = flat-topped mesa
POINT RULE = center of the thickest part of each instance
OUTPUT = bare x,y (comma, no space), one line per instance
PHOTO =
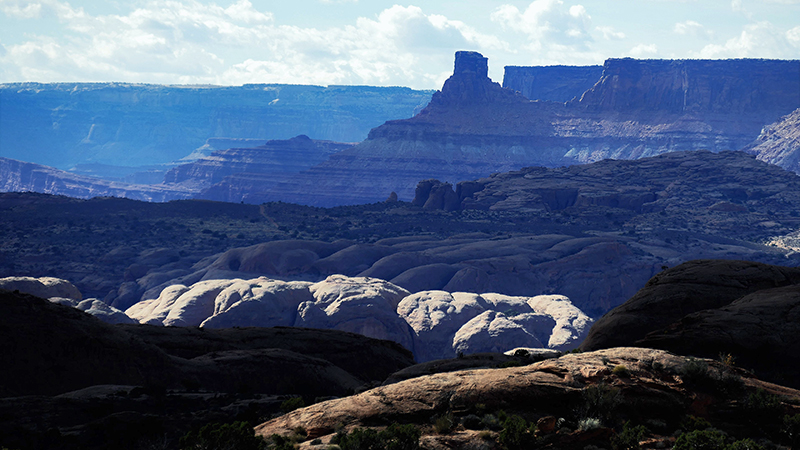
470,84
763,87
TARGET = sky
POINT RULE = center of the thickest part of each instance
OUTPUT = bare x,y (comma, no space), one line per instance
369,42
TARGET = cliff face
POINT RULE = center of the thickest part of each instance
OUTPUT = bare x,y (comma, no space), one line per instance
261,164
552,83
740,86
19,176
65,124
779,143
474,127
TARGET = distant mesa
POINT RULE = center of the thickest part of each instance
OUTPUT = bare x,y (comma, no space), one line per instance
474,127
543,116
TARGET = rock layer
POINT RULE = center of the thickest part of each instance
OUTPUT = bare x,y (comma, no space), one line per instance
779,143
473,127
64,124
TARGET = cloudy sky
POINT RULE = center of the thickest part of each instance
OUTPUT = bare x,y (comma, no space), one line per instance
372,42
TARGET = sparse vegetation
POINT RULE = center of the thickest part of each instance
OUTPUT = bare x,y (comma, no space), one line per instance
629,437
599,401
516,433
291,404
444,424
621,371
223,436
394,437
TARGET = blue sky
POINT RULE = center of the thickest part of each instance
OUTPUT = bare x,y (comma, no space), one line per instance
373,42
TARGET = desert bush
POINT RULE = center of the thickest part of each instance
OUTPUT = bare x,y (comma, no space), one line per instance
491,422
223,436
629,437
400,437
694,371
589,423
710,439
621,371
692,423
791,429
444,424
516,434
358,439
744,444
472,422
291,404
600,401
763,404
511,363
395,437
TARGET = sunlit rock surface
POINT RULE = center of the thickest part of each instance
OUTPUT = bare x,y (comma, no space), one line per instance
433,324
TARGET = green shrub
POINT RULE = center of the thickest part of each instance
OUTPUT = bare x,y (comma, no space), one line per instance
692,423
629,437
223,436
601,401
491,422
512,363
291,404
444,424
744,444
710,439
395,437
516,434
472,422
358,439
694,371
621,371
762,404
791,429
400,437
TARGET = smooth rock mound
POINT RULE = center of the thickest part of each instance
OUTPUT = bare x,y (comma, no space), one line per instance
44,287
433,324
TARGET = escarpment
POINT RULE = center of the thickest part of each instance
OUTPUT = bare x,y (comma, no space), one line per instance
474,127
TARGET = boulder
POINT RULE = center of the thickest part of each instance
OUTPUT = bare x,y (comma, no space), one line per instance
682,290
366,306
44,287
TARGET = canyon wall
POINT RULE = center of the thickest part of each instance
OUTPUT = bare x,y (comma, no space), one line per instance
552,83
65,124
473,127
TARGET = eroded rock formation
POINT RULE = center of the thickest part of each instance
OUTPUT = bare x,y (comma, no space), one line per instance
473,127
710,308
433,324
779,143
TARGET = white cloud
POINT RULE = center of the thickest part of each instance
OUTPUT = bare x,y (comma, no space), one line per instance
609,33
692,28
554,32
185,41
793,36
643,50
757,40
22,9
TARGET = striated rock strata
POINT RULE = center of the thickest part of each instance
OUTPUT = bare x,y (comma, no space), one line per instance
552,83
779,143
473,127
64,124
19,176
